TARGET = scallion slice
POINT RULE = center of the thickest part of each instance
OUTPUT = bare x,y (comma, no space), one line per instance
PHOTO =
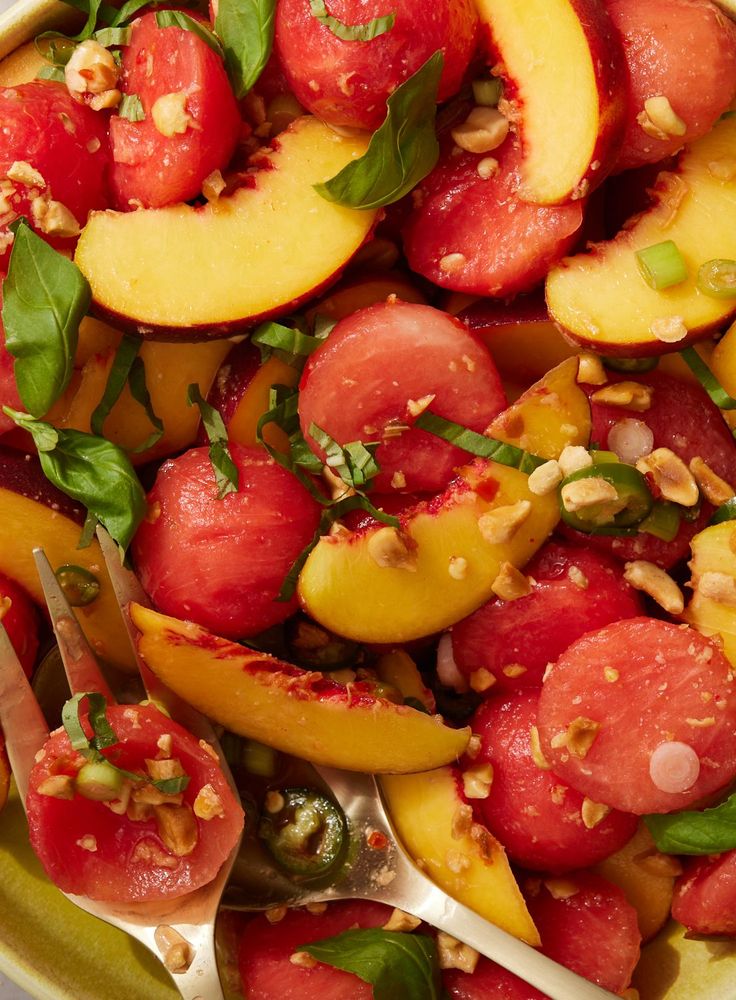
707,379
717,278
726,512
487,92
662,265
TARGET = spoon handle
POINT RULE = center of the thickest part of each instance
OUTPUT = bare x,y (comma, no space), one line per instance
417,895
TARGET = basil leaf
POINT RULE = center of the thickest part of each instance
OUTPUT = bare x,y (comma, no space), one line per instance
395,964
91,470
351,32
478,444
94,10
177,19
113,37
45,297
122,363
246,30
139,392
130,107
225,470
354,463
55,48
91,22
711,831
292,343
707,379
401,152
283,411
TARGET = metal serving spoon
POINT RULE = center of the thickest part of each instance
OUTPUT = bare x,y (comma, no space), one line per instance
169,928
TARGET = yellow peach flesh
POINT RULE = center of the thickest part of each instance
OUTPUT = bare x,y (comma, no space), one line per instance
262,698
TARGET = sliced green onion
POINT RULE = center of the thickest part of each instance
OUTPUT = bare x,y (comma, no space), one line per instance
631,365
601,518
99,780
478,444
717,278
306,834
487,92
726,512
79,585
707,379
663,521
662,265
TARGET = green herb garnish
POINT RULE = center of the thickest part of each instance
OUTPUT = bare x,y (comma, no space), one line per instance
246,29
225,470
351,32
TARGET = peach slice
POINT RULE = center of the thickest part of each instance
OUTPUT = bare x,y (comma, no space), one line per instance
712,609
461,856
571,109
201,272
32,512
170,368
600,298
298,711
358,585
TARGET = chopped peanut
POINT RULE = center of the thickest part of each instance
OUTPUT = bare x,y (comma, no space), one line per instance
213,185
718,587
208,803
671,476
316,909
561,888
91,70
662,116
482,680
106,100
477,781
592,492
715,490
591,370
458,567
164,769
170,116
53,218
575,575
574,458
401,921
23,173
453,954
630,395
176,952
148,852
57,786
655,582
452,262
483,131
462,822
500,525
418,406
391,550
88,843
487,167
593,813
177,828
303,959
578,737
514,670
511,583
536,750
274,914
545,478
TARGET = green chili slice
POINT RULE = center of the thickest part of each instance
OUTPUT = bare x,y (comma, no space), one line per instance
305,833
726,512
632,504
717,278
79,585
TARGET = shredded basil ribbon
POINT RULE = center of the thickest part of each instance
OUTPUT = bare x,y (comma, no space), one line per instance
128,368
395,964
223,466
707,379
478,444
300,461
354,463
351,32
103,735
130,107
45,298
711,831
289,343
401,152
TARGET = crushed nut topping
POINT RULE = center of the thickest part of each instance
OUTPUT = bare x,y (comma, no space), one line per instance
630,395
165,744
500,525
457,862
561,888
715,490
482,680
170,116
57,786
593,813
91,70
391,550
452,262
275,914
398,480
303,959
176,952
177,828
274,802
23,173
513,670
208,804
718,587
663,117
148,852
545,478
535,747
573,458
591,370
575,575
477,781
453,954
655,582
458,567
316,909
592,492
208,749
487,167
213,185
511,583
418,406
578,738
483,130
401,921
670,476
53,218
88,843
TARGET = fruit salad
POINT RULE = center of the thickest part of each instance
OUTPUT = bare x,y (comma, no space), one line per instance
393,344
